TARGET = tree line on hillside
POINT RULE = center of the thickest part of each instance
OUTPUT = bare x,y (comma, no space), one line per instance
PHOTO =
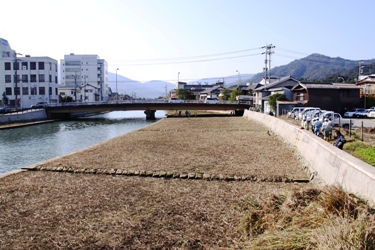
320,68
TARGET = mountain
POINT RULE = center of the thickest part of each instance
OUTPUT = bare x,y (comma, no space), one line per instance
315,67
228,80
152,89
155,88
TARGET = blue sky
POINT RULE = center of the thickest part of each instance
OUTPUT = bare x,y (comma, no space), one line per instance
156,39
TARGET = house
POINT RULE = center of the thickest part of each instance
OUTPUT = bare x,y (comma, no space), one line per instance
197,89
337,97
282,86
367,84
212,92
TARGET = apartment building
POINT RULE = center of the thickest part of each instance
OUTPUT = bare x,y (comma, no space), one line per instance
27,80
84,78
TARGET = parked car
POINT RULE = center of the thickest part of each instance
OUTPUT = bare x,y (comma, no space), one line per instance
337,120
39,105
353,112
175,100
301,114
363,114
4,110
210,100
294,112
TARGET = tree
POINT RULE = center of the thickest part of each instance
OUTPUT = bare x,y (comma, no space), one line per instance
5,99
225,94
185,94
234,94
272,100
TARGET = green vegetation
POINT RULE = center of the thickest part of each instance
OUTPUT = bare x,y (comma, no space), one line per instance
185,94
361,150
320,68
274,98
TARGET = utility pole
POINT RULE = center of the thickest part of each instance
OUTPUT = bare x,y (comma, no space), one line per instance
267,68
166,91
15,67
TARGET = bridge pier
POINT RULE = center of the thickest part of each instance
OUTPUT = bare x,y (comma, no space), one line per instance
150,114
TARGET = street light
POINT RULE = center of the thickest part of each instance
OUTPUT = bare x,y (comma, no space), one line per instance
239,77
178,79
75,84
116,86
15,67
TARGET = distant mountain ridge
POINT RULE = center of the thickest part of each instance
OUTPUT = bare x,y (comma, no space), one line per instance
315,67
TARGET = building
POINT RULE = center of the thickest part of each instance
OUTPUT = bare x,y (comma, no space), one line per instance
281,86
84,78
338,97
27,80
197,89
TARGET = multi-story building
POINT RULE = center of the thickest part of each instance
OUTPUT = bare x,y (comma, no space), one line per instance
27,80
84,78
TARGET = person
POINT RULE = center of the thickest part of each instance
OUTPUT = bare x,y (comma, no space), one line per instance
327,128
303,122
187,112
340,140
317,127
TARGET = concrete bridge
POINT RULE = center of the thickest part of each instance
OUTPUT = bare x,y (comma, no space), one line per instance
76,109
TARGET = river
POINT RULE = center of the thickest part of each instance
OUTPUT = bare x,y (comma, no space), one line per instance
24,146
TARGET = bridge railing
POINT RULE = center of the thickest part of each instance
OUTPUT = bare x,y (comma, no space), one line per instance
130,102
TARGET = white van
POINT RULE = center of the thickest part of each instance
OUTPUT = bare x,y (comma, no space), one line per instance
308,109
294,112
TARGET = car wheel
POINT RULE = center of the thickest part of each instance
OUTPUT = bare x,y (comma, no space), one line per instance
346,126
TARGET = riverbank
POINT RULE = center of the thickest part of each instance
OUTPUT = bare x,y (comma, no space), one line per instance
92,205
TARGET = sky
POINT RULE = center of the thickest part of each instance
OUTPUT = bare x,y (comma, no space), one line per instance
186,40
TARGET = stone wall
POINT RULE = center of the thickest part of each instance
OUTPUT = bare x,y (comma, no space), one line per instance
330,164
23,116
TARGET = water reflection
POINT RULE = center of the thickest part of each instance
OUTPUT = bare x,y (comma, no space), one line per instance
28,145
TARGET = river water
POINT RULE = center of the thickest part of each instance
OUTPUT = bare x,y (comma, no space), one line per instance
21,147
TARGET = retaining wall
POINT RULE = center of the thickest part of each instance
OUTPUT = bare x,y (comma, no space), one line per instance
330,164
31,115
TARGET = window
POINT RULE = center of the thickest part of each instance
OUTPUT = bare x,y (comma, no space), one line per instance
33,90
32,78
25,78
41,78
62,93
33,65
41,65
17,90
50,90
55,79
50,78
299,96
8,78
42,90
24,65
8,91
7,66
25,91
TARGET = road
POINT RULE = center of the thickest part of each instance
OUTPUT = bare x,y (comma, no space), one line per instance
368,123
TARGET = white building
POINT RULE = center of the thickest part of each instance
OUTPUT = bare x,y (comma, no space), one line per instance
27,79
84,78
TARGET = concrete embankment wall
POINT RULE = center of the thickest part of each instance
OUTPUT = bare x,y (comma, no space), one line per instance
33,115
330,164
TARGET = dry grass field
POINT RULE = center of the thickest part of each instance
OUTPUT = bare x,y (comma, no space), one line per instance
70,210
